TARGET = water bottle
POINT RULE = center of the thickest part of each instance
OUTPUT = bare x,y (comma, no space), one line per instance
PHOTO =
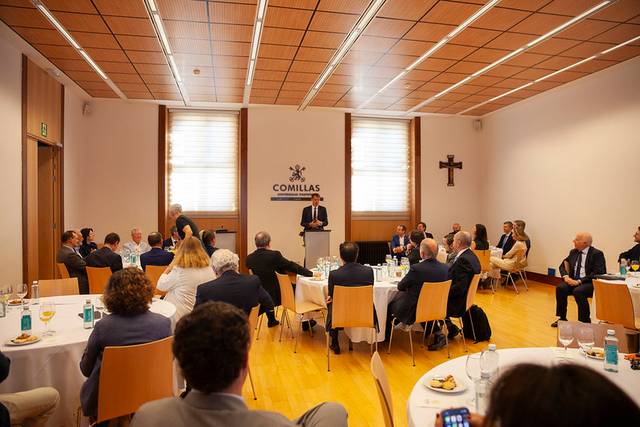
25,320
489,361
3,307
611,351
35,292
623,267
87,314
483,387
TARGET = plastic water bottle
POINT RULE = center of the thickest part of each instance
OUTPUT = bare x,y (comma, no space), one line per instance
483,387
490,361
611,351
35,292
25,319
87,314
623,267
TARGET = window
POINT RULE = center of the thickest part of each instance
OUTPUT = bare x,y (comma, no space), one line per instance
380,179
203,160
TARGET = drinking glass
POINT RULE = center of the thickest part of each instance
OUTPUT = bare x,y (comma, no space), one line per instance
388,258
472,366
21,291
586,339
565,335
6,294
47,311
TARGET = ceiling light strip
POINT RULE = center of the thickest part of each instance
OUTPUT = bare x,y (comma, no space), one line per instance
366,17
258,26
547,76
520,50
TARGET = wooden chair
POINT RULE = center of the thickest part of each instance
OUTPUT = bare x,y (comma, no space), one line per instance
57,287
432,306
627,342
518,269
613,304
151,380
98,278
382,386
485,265
471,295
352,307
288,303
253,322
62,270
154,272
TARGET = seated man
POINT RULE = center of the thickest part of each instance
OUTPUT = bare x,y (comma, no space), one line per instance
211,345
414,247
25,408
350,274
76,266
632,254
455,228
156,256
578,271
399,242
209,241
506,240
465,265
242,291
136,245
173,240
422,227
106,256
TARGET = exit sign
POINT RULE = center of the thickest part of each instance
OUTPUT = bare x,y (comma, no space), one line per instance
43,129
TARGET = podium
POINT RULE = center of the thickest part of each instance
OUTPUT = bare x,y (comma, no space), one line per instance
317,244
226,240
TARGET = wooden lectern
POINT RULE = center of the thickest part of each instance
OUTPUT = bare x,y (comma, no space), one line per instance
317,244
226,240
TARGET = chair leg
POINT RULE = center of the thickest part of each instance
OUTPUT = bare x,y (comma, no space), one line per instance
251,381
473,329
350,345
286,316
393,324
260,318
295,346
446,340
464,342
328,351
413,358
281,325
523,278
492,282
513,282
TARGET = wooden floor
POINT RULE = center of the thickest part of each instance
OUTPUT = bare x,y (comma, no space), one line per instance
290,383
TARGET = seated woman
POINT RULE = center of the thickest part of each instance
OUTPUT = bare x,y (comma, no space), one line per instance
127,296
209,241
88,245
447,242
480,241
516,258
189,269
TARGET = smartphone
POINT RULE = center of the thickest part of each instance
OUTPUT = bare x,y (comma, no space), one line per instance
97,315
456,417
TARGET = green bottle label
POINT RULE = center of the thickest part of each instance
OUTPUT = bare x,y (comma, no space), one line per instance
25,322
88,314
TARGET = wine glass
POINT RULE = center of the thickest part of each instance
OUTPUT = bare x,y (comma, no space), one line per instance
6,293
586,339
472,366
21,291
47,311
565,335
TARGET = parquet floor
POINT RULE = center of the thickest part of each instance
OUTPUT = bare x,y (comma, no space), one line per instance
290,383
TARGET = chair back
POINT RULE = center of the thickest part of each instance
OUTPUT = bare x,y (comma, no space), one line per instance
287,298
382,386
627,343
58,287
485,260
148,369
253,320
473,288
98,278
154,272
62,270
613,303
352,307
432,302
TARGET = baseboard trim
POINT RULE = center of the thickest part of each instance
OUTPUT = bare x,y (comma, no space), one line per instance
544,278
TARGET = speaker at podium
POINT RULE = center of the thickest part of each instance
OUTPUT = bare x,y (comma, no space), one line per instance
317,244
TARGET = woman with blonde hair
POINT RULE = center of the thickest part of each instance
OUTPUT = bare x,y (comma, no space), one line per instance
516,258
189,268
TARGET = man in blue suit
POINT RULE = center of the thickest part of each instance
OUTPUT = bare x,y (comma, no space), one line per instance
314,217
399,242
156,256
506,241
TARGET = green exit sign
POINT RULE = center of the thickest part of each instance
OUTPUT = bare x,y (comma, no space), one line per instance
43,129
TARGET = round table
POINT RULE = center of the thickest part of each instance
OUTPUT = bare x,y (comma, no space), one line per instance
424,404
54,361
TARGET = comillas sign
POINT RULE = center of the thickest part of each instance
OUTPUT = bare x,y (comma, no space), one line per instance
296,189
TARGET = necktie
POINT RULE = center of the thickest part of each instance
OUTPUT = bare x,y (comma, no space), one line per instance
315,213
578,266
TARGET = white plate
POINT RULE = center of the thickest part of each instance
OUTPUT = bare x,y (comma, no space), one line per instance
461,385
595,357
15,303
16,344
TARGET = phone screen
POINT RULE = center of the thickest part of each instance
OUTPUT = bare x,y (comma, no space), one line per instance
458,417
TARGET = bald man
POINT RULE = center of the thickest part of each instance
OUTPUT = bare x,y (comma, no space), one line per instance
578,271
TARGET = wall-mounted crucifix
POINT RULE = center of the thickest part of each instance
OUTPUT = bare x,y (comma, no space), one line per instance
450,165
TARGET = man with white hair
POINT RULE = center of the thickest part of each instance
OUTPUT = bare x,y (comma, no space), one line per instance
578,271
242,291
185,225
136,245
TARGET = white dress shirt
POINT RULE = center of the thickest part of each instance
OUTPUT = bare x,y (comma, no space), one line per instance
181,284
132,247
583,262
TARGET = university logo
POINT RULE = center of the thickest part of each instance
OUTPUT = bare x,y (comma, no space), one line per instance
297,189
296,173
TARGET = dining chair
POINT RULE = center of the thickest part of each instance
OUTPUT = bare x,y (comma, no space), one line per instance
471,295
614,304
58,287
98,278
153,272
383,389
484,256
62,270
253,321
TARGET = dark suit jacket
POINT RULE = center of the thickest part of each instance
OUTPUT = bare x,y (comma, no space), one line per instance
350,274
429,270
506,242
87,249
265,262
76,266
307,217
4,373
167,243
428,235
210,249
595,264
632,254
242,291
104,257
155,256
395,242
414,256
461,273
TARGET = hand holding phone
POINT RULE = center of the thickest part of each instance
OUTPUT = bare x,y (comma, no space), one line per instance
456,417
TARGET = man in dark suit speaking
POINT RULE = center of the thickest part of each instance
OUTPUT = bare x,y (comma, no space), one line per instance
314,217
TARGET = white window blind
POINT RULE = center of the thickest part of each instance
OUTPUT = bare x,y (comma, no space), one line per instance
203,160
379,166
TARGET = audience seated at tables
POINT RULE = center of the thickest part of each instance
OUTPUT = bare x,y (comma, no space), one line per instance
422,227
399,242
189,269
515,258
172,241
88,245
184,225
209,241
578,270
156,256
531,395
31,408
403,308
413,250
127,297
480,240
136,245
76,266
506,240
461,272
522,225
211,346
632,254
107,255
241,290
447,242
351,273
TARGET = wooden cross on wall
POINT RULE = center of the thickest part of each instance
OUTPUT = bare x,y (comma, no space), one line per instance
450,165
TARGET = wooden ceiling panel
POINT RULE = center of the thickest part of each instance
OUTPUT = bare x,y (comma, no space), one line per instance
187,60
428,32
111,55
264,93
273,64
475,37
486,80
569,7
477,98
121,8
449,12
296,19
386,72
282,36
201,47
468,89
101,85
487,55
294,4
527,59
556,63
157,78
150,44
510,41
435,64
586,49
132,87
335,88
265,84
451,96
87,76
130,26
587,29
307,66
182,10
142,57
54,51
420,75
397,61
554,46
623,53
82,22
288,101
78,6
619,34
262,100
531,74
314,54
593,66
410,47
385,27
71,64
103,41
467,67
453,51
163,88
539,23
270,75
373,44
620,11
318,39
500,18
138,95
276,52
225,61
167,96
39,35
448,78
232,13
186,30
545,85
411,10
125,78
153,69
504,71
344,6
116,67
361,57
22,17
232,99
102,93
566,76
309,77
227,32
511,83
333,22
295,86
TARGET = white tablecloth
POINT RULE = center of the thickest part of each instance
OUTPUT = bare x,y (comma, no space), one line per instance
54,361
316,291
633,283
424,403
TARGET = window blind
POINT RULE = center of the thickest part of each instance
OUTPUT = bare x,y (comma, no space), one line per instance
203,160
379,165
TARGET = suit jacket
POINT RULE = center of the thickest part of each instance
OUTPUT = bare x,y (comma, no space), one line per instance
86,249
595,264
414,256
155,256
350,274
210,249
506,242
4,373
396,241
632,254
76,266
198,409
242,291
265,262
461,273
429,270
307,217
168,243
104,257
427,235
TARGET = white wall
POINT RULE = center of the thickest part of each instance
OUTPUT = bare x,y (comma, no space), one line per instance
11,170
567,161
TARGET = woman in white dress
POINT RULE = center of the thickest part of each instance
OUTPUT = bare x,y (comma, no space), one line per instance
189,269
516,258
